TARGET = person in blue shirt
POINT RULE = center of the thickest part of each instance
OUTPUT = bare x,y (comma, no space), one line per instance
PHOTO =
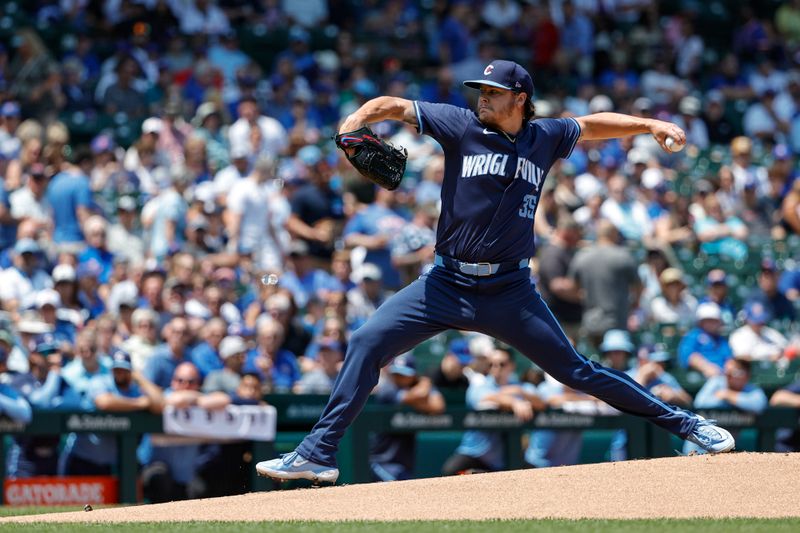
482,451
651,373
704,348
35,455
12,402
89,298
86,365
374,227
269,361
122,390
768,294
731,390
496,162
161,365
69,190
96,249
206,355
305,281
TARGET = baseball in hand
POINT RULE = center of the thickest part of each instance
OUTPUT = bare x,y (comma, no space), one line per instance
673,145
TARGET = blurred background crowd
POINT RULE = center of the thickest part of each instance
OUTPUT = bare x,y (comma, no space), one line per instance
177,227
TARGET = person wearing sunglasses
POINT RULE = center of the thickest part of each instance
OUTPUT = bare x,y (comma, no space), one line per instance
483,451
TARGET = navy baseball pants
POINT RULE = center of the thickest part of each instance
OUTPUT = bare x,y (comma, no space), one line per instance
505,306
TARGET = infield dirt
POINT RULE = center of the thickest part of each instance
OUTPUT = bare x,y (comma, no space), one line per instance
758,485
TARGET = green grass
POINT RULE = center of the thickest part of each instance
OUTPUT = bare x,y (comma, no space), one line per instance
16,511
505,526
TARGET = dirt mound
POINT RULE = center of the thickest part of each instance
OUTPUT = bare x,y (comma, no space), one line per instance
731,485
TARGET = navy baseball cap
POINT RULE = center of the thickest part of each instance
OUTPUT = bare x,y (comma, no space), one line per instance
505,75
121,359
404,364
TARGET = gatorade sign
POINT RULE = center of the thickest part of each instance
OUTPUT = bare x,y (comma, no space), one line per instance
75,490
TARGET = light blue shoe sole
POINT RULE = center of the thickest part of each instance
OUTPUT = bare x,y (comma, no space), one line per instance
324,476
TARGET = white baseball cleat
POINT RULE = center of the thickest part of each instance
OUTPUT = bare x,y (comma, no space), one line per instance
294,466
711,437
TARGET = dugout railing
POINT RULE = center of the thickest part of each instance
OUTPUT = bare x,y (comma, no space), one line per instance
297,413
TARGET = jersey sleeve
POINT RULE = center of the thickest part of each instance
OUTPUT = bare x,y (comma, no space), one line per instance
443,122
560,136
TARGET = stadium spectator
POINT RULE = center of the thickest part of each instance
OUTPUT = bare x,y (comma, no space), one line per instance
165,215
717,292
675,305
392,455
124,238
704,348
20,282
482,451
787,439
304,280
557,288
374,227
319,380
617,349
276,366
768,295
232,352
721,234
412,247
548,448
450,374
170,466
732,390
12,402
32,455
366,296
207,355
606,272
165,358
118,390
255,216
144,338
755,341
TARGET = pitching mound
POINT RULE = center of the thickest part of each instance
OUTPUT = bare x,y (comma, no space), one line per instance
731,485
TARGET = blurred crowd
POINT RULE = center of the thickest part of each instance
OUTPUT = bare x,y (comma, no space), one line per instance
177,228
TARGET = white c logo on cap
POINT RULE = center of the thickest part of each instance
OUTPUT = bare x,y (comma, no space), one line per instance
488,70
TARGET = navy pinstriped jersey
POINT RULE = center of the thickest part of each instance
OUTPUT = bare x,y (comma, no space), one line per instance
491,185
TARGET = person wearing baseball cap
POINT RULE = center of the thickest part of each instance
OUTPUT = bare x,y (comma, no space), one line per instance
717,292
755,340
704,348
392,455
768,292
233,351
496,161
320,379
651,373
450,372
118,390
19,284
